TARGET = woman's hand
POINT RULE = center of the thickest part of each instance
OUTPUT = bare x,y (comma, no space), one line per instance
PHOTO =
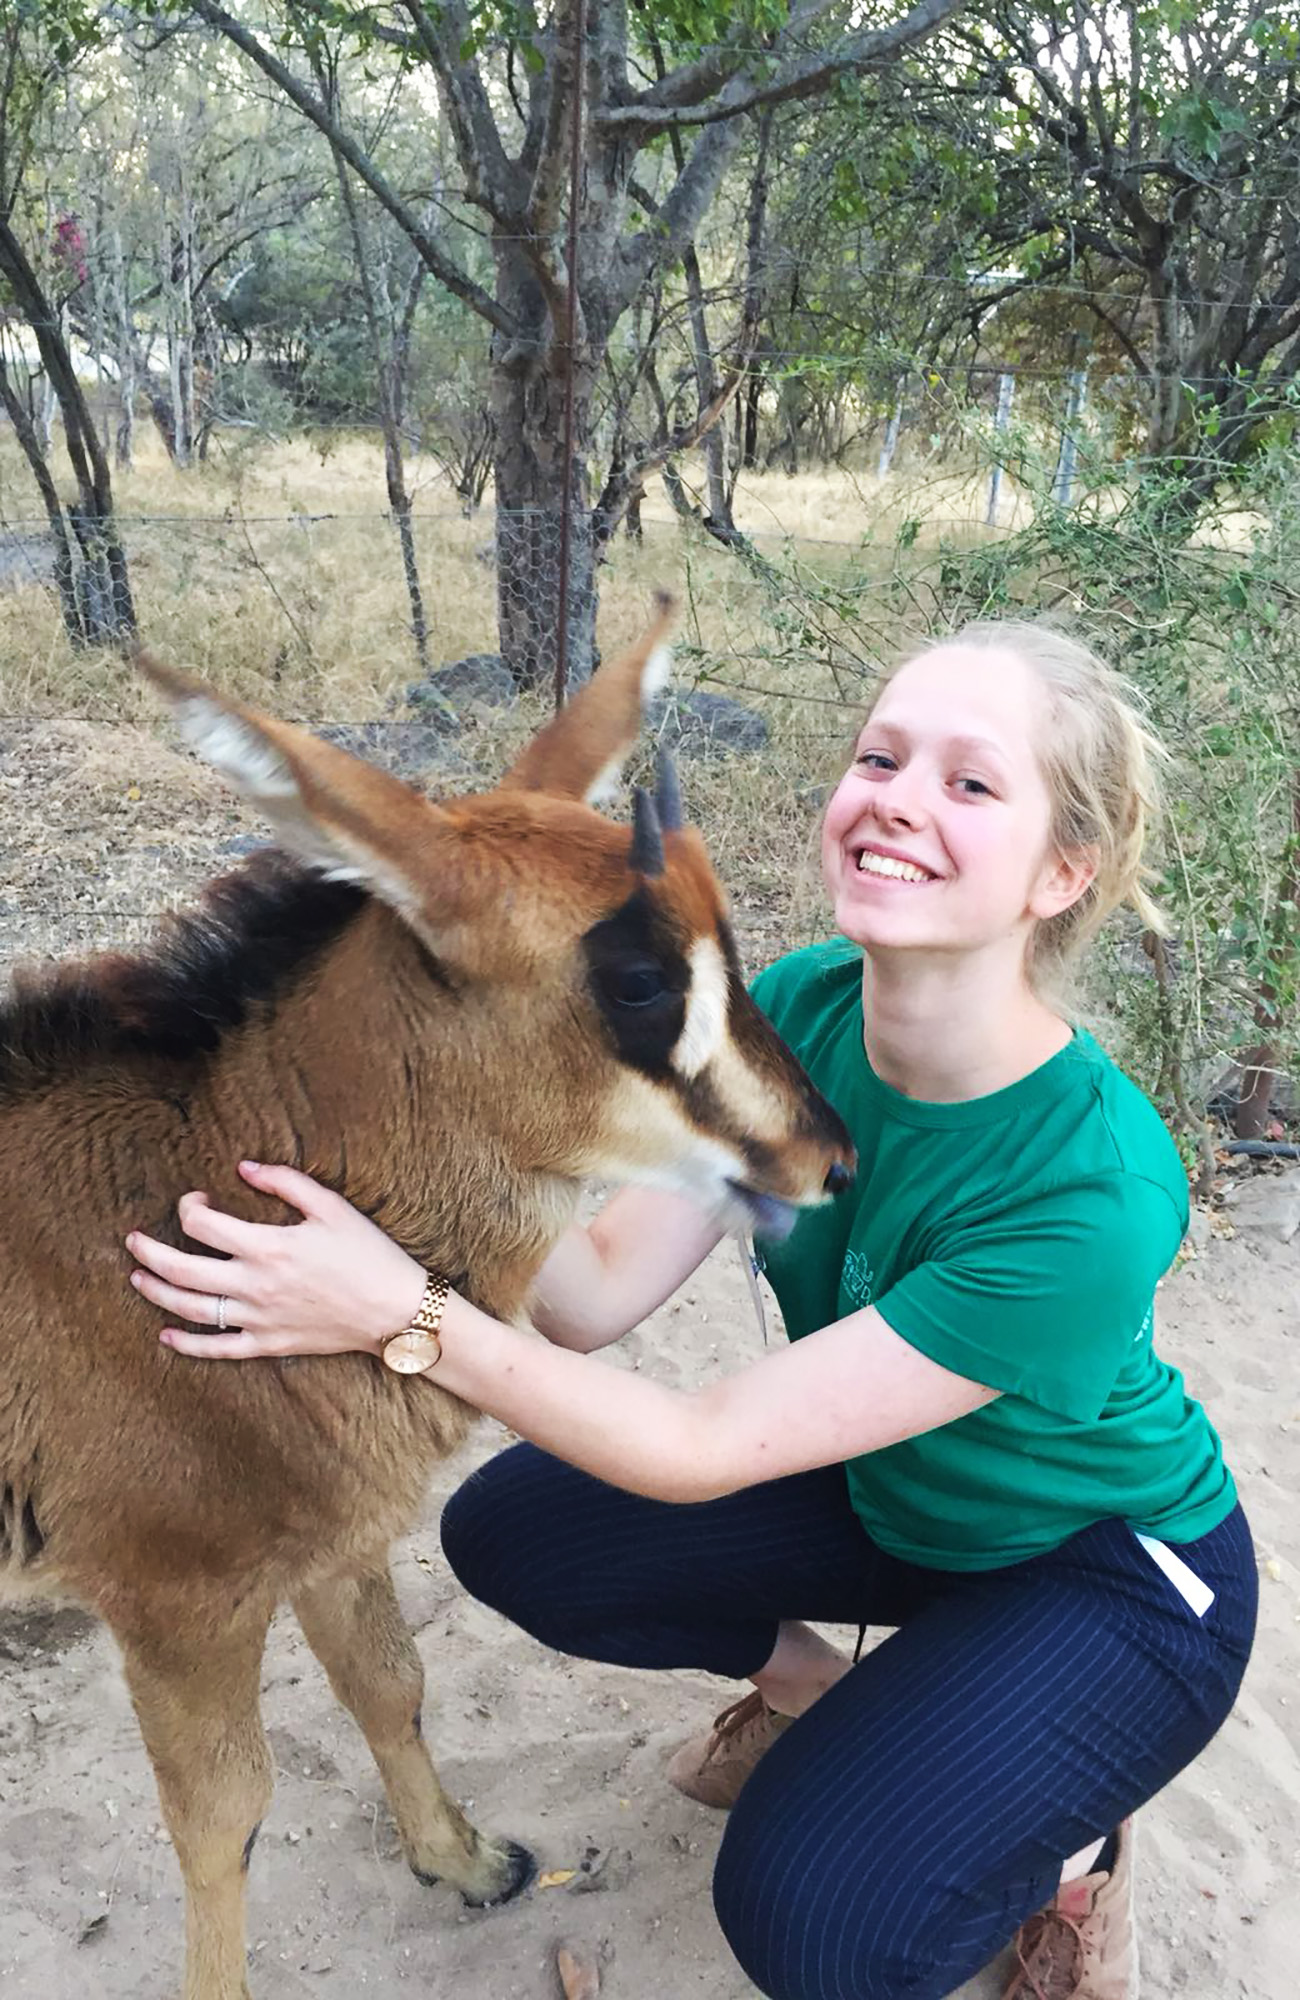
330,1284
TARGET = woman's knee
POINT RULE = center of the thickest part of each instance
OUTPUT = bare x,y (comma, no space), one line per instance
495,1528
808,1921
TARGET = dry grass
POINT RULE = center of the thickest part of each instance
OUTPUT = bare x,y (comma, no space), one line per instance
273,572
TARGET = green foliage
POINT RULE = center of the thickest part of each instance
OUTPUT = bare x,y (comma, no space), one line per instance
1209,634
1207,629
68,27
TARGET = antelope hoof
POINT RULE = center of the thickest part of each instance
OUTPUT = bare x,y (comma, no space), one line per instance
518,1871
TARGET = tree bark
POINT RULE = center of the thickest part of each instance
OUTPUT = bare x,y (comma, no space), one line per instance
124,345
107,611
64,564
528,398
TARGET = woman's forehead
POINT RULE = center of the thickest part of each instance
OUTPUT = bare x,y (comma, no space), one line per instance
963,691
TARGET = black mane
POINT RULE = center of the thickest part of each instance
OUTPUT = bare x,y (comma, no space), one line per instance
256,931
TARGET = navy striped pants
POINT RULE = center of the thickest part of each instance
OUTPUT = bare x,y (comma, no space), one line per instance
893,1839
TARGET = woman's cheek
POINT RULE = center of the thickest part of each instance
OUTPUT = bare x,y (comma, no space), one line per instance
843,809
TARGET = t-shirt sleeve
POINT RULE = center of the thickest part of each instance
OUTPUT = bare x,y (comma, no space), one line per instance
1044,1300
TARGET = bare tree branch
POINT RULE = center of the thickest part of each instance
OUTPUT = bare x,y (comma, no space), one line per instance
440,266
803,76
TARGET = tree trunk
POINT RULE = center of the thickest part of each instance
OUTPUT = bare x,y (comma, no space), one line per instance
753,400
106,601
126,357
64,564
528,409
530,484
46,410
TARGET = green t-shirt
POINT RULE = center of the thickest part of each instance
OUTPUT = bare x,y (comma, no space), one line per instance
1017,1239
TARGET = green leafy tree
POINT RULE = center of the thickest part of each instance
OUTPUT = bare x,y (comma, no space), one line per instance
1148,158
507,77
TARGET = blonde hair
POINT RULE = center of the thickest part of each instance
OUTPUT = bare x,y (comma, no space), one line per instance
1101,762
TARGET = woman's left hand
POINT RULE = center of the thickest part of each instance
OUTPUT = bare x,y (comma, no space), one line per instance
330,1284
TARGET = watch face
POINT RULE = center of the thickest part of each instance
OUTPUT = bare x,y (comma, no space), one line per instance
412,1352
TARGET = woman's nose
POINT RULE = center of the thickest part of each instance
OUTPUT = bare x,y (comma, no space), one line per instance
901,799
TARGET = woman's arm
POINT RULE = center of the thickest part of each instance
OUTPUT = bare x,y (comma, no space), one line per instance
604,1279
334,1283
852,1387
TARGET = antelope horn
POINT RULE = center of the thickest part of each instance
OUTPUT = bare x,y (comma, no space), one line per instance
668,796
647,851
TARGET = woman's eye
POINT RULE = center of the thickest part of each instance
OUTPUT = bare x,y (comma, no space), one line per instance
974,788
875,760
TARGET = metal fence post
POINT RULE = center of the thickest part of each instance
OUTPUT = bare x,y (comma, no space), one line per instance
1006,390
1063,484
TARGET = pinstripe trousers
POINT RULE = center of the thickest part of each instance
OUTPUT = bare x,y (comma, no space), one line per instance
892,1840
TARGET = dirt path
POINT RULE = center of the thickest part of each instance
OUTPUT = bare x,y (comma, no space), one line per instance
568,1757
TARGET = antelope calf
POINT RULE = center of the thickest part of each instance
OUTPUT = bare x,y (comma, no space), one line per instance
453,1014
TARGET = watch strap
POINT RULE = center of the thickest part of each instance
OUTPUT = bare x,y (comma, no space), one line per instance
416,1348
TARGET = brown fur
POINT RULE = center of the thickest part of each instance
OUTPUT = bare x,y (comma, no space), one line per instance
447,1068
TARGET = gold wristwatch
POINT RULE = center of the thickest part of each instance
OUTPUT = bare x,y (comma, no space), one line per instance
415,1349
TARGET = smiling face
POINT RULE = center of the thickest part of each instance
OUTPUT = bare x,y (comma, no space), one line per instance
937,838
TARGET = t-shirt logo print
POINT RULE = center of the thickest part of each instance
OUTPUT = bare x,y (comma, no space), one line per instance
858,1277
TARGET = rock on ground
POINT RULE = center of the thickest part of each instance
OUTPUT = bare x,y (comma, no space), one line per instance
697,724
1267,1205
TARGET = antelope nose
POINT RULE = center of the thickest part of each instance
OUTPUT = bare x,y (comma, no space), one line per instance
837,1179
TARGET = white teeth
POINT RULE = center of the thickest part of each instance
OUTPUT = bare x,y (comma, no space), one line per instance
885,864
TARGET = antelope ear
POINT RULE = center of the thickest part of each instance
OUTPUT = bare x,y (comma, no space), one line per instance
580,752
333,811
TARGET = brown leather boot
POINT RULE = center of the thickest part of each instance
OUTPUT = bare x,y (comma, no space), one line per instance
1083,1946
712,1768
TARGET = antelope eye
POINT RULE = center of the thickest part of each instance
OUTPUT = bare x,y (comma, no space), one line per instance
635,983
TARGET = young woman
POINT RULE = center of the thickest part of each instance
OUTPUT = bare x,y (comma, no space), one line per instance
969,1437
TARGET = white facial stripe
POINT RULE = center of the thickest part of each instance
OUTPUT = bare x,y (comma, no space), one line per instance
603,788
752,1103
706,1009
649,1139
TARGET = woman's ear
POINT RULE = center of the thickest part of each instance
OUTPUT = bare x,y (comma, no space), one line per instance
1065,877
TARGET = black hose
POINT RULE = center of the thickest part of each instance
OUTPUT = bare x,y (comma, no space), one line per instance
1264,1149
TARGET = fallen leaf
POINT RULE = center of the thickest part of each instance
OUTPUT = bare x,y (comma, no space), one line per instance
579,1977
133,792
556,1878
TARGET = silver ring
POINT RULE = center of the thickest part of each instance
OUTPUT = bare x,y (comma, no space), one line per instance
222,1303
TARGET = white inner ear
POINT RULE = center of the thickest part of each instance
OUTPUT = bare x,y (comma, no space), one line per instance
654,676
706,1009
250,760
236,748
603,788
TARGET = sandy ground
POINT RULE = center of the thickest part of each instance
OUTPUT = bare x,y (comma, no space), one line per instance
100,834
568,1757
